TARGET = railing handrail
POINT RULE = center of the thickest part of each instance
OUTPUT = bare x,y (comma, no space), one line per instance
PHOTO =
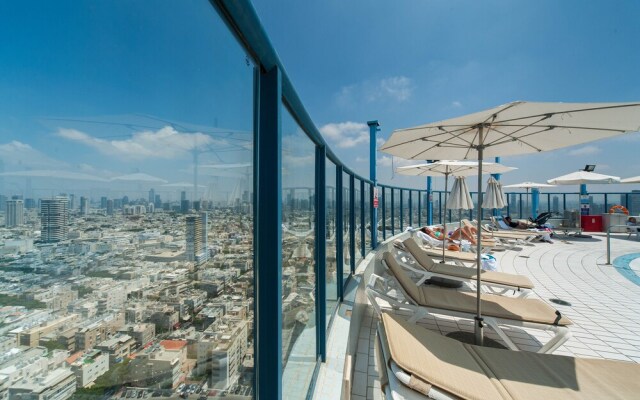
609,241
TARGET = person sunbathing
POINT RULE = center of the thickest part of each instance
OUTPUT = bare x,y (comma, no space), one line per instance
516,224
436,233
469,233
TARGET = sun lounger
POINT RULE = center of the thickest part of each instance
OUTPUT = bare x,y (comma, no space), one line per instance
493,282
497,310
519,237
416,363
488,244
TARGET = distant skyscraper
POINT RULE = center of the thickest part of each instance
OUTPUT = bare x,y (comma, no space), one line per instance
157,202
152,196
109,207
555,204
634,202
196,236
14,213
29,204
183,196
3,202
196,205
103,202
84,205
125,200
72,200
185,206
55,217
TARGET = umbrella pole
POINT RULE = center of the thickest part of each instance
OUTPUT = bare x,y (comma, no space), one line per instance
478,325
444,224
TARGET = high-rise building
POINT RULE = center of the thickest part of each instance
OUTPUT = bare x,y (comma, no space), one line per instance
185,206
109,207
152,196
3,202
55,217
14,213
84,205
634,202
29,204
183,196
196,236
157,202
103,202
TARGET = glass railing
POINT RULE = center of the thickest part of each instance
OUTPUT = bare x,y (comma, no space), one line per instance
171,213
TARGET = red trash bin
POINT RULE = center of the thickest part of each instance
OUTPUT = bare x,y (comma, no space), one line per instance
591,223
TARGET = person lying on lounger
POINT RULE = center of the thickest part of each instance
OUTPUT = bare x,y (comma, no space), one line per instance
516,224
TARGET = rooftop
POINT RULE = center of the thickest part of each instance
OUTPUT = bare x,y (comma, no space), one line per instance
604,308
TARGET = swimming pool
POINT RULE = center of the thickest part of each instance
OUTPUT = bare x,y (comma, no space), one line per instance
629,266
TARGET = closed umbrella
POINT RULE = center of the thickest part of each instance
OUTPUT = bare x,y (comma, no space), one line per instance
494,198
527,186
455,168
511,129
583,177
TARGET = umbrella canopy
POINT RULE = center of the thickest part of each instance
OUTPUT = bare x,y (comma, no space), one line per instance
510,129
494,197
460,198
529,185
634,179
452,167
583,177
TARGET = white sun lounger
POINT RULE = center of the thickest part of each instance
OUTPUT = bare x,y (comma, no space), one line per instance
493,282
497,310
416,363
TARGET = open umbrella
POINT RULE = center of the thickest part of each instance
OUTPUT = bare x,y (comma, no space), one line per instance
527,186
633,179
511,129
454,168
583,177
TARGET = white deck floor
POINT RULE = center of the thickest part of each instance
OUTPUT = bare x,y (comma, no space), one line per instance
605,303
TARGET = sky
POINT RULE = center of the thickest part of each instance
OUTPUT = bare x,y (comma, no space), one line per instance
93,92
413,62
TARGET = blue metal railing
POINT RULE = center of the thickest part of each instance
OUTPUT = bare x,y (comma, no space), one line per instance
273,91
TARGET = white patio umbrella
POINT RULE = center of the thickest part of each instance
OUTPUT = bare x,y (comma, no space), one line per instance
511,129
460,199
583,177
527,186
455,168
494,198
633,179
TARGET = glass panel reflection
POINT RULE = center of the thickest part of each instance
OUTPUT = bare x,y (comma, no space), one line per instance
346,226
358,228
298,263
331,239
127,141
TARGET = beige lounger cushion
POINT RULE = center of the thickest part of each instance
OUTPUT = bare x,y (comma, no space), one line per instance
454,255
427,263
445,364
517,309
473,372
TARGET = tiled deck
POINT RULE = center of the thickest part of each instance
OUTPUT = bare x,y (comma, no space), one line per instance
605,303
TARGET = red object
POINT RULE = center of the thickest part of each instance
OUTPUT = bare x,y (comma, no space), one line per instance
591,223
375,202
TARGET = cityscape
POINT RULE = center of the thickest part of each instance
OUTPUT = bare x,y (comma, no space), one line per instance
180,321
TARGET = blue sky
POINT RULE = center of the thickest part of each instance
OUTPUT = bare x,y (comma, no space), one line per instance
412,62
109,89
